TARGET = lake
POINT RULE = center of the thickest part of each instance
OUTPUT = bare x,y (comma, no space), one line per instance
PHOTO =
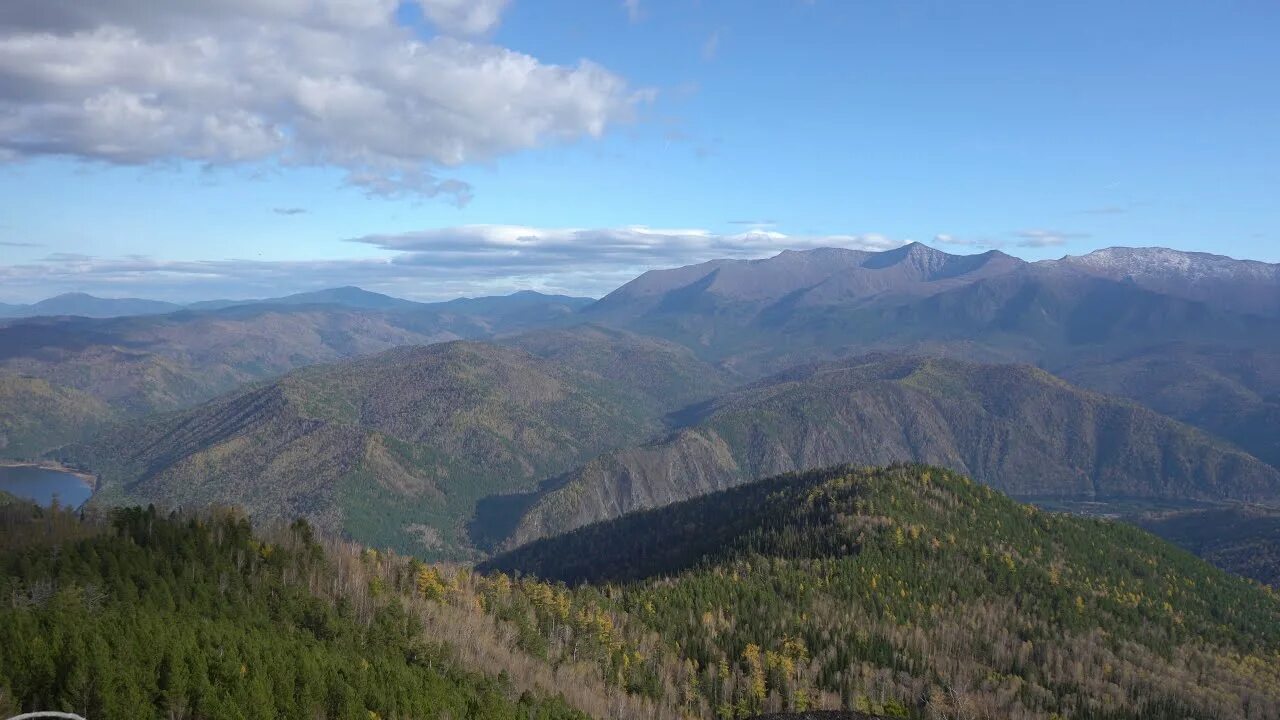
41,484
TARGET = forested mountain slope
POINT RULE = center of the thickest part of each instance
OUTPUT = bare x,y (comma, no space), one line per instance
395,449
669,373
915,592
147,616
142,365
1231,392
36,415
1016,428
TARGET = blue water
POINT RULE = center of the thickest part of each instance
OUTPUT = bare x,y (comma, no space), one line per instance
41,485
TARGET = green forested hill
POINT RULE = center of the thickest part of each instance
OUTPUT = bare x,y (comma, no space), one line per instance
668,373
394,449
1014,427
150,617
917,592
36,415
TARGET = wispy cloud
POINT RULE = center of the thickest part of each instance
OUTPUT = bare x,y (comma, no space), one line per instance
1040,238
289,211
711,47
634,13
753,223
973,242
335,83
8,243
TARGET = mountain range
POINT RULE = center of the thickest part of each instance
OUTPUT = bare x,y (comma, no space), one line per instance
726,490
1098,376
85,305
90,306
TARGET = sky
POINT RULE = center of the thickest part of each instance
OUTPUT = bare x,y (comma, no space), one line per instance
440,148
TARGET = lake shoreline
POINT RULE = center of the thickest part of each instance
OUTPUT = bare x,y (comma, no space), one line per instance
90,480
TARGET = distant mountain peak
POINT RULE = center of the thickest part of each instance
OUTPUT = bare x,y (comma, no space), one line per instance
914,253
1247,286
1147,260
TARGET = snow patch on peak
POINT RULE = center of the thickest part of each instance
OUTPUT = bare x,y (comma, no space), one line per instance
1163,262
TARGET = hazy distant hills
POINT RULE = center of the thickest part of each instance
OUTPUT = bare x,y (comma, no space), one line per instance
141,365
396,448
349,297
83,305
1015,428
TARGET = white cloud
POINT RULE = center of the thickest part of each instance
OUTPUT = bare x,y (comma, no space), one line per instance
301,82
469,17
431,264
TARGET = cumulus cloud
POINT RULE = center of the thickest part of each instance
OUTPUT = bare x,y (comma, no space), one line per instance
301,82
427,265
469,17
1046,238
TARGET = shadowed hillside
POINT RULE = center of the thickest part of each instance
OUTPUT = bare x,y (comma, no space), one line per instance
1016,428
1243,540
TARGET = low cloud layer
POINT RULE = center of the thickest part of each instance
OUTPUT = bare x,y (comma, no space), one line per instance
300,82
427,265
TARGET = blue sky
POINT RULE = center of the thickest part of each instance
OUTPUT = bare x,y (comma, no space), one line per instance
719,128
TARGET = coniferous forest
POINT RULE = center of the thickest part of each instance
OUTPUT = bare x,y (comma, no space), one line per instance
902,592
